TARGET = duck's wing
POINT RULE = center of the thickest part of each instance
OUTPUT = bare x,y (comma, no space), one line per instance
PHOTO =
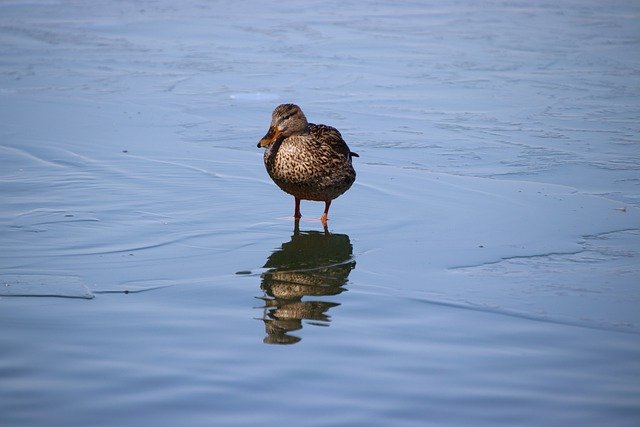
329,137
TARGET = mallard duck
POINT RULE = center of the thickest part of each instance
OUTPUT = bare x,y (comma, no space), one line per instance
308,161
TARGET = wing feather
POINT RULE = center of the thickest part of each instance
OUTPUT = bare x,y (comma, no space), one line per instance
329,137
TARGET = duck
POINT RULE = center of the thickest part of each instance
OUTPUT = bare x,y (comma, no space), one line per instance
306,160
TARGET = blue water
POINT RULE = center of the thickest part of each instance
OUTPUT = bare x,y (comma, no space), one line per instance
483,269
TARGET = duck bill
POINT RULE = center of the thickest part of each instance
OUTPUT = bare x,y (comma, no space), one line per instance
269,138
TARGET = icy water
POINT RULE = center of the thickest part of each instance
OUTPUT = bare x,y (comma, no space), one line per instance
483,270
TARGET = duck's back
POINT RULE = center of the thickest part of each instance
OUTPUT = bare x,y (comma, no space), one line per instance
329,138
315,166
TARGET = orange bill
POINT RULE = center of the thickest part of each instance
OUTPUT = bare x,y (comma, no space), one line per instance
270,137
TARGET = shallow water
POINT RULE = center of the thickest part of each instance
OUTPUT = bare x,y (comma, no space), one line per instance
483,269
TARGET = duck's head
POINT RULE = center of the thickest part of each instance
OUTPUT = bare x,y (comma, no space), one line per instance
286,120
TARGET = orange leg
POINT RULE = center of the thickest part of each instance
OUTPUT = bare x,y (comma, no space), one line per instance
325,215
297,214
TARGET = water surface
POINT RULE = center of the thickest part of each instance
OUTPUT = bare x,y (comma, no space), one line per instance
483,269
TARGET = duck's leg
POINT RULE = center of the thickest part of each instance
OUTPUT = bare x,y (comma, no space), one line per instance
297,214
325,215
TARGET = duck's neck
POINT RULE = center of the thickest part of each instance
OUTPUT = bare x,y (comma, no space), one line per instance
271,151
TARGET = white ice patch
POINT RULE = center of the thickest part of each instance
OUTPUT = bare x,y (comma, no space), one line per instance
41,285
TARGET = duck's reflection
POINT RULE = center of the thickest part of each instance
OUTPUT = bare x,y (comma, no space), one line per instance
310,266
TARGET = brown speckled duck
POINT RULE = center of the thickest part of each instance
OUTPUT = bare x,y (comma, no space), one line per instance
308,161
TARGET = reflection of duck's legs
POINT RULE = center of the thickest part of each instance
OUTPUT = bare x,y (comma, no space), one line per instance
296,227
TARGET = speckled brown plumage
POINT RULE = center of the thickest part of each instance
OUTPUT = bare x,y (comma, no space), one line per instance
308,161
